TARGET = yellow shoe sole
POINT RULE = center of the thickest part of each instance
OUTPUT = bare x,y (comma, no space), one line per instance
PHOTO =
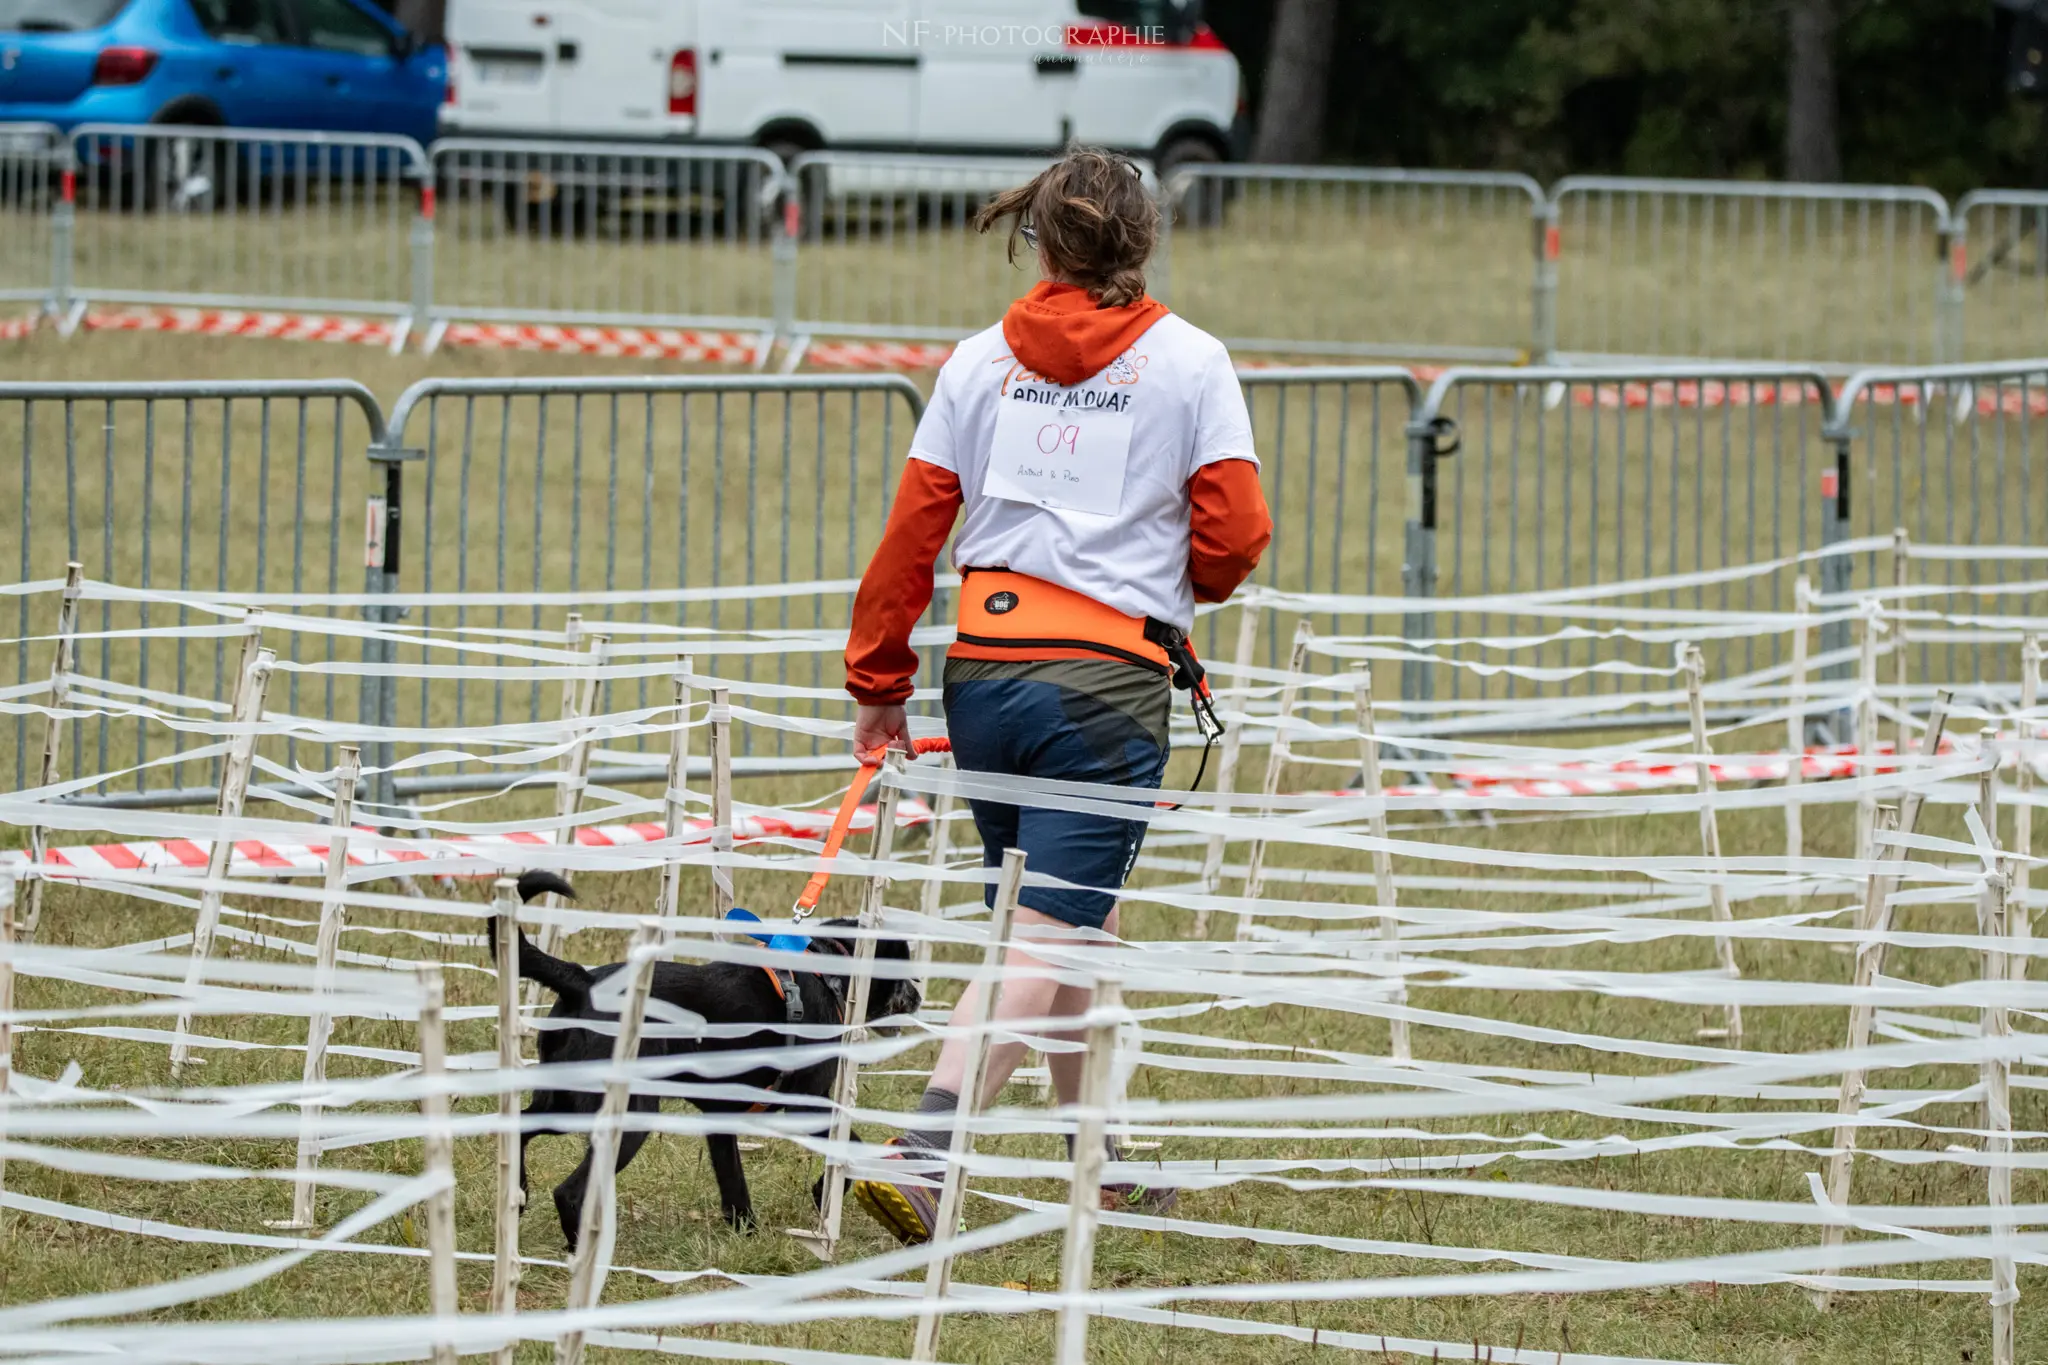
892,1210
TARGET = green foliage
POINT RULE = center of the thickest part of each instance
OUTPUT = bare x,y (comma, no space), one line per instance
1661,87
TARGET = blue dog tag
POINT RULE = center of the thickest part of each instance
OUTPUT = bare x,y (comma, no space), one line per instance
781,943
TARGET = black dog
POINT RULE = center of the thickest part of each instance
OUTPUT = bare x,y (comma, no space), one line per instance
723,993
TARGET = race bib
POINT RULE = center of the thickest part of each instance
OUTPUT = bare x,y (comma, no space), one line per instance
1069,458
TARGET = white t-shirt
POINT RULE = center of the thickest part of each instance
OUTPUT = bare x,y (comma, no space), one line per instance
1033,456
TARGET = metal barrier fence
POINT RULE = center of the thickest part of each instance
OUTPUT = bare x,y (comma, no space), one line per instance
1356,262
597,233
1304,261
30,171
1955,455
222,217
889,247
1798,274
671,492
198,487
1997,279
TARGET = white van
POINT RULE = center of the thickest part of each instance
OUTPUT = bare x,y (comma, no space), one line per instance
950,76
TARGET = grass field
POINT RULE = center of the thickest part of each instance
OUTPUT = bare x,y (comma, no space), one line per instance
669,1208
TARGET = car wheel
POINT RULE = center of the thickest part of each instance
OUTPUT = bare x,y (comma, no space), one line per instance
1202,203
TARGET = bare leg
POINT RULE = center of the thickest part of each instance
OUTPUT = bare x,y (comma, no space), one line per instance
1024,997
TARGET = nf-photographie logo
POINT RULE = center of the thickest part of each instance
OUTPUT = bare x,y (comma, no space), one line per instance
1084,42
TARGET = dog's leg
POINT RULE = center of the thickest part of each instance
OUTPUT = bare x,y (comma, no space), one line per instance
570,1194
818,1185
731,1173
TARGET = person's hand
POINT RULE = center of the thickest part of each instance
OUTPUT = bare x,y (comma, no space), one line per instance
876,728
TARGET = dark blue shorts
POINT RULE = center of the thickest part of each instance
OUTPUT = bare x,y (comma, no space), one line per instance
1041,729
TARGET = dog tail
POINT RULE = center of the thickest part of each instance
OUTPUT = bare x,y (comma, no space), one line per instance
569,980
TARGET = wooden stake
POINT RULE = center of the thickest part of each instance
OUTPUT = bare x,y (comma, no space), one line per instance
1226,771
580,697
938,1275
598,1226
1866,730
511,1202
234,789
1382,861
1084,1199
1276,759
1874,918
53,738
2019,916
932,897
823,1241
440,1156
1710,829
321,1026
672,812
1995,1026
6,1005
721,800
1795,734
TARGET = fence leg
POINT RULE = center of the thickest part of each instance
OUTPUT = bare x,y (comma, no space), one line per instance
1084,1200
1952,273
823,1241
1710,830
1276,759
1874,918
1901,561
592,1260
511,1199
1543,303
1418,564
1836,570
721,802
321,1027
672,812
234,788
1226,771
421,244
789,227
381,539
64,241
53,739
1795,736
1382,861
440,1156
938,1275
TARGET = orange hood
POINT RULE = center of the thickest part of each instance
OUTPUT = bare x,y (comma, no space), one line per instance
1060,332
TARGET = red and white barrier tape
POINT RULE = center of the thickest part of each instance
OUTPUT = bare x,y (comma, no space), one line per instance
255,858
236,323
641,343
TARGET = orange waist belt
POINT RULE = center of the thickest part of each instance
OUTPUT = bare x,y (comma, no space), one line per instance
1005,615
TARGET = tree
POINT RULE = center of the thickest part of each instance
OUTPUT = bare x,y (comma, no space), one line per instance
1297,81
1813,149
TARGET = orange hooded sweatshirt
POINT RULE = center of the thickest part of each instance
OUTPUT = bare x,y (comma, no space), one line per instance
1061,333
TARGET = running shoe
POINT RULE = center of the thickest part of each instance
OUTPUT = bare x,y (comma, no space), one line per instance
910,1211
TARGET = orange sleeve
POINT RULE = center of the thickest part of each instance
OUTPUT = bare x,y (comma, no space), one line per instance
1229,527
897,587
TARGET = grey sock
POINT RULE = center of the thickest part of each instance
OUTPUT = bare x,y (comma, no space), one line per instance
937,1101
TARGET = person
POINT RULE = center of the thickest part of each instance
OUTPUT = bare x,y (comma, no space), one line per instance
1101,450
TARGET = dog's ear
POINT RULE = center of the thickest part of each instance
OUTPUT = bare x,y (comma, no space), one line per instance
895,948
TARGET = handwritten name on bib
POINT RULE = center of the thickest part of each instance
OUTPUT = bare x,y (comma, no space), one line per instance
1067,458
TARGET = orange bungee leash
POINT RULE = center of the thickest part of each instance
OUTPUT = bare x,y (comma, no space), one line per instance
843,821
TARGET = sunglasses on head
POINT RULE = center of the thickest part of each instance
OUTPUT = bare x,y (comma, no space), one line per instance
1029,233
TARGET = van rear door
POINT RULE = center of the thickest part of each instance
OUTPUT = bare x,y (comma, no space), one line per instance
501,66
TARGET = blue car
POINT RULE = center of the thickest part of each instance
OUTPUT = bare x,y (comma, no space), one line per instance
329,65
